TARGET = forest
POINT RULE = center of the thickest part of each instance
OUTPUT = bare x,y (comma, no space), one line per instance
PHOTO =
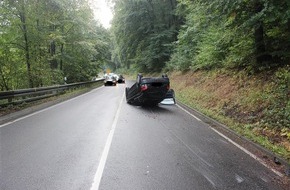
201,34
44,41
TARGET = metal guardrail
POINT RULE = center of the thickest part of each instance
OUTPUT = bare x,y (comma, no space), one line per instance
14,97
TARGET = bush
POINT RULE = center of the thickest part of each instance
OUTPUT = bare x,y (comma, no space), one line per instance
277,114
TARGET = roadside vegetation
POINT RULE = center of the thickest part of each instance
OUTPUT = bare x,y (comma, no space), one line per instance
254,106
43,43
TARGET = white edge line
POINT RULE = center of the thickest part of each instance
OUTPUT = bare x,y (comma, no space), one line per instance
101,166
240,147
42,110
3,125
188,112
249,153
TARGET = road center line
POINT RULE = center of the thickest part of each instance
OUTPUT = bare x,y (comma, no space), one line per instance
100,170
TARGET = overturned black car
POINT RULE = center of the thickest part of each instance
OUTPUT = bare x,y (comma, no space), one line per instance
150,91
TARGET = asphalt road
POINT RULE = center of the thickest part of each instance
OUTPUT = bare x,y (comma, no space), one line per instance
98,141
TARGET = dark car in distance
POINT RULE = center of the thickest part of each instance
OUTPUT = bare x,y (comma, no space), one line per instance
149,91
121,79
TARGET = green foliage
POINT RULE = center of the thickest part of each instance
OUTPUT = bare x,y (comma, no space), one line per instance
200,44
143,32
41,41
278,113
210,51
237,34
240,52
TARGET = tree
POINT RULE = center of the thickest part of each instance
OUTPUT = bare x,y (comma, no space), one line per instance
242,34
41,41
143,31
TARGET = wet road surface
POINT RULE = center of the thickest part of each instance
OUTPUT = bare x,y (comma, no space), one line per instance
98,141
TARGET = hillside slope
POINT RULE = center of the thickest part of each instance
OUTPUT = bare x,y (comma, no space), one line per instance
255,106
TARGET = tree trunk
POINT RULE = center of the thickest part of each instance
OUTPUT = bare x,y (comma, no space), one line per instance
61,61
61,50
4,85
151,14
259,42
261,55
173,19
288,34
52,48
26,46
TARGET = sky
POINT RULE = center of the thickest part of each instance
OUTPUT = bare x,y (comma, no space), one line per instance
102,12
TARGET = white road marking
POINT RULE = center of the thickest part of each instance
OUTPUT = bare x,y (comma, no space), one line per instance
188,112
240,147
264,179
45,109
8,123
239,178
249,153
100,170
209,180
